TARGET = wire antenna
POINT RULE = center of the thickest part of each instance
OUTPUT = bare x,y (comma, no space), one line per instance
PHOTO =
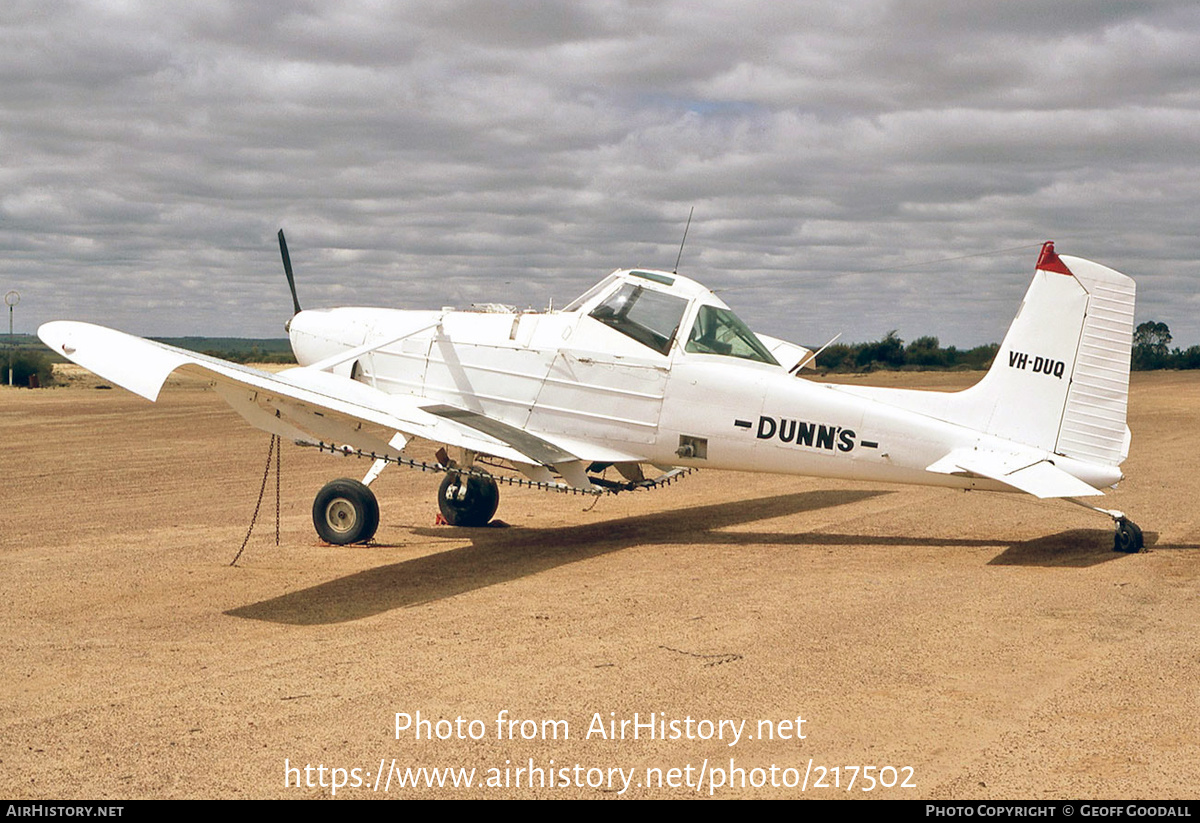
684,240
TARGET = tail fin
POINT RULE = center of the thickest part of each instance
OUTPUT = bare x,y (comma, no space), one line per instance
1060,381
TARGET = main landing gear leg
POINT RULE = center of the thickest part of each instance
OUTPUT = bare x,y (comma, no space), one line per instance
1128,537
346,511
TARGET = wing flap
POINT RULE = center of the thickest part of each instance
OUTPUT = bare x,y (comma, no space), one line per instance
542,451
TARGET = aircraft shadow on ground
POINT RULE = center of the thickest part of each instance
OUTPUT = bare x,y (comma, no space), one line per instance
1075,548
500,555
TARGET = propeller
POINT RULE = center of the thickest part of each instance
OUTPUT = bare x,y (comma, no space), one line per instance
287,269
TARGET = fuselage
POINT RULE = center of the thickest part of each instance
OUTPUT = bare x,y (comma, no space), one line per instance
653,368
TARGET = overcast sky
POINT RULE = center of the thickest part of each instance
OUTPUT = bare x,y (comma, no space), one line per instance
839,156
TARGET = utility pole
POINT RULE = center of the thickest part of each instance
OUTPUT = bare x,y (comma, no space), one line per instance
11,300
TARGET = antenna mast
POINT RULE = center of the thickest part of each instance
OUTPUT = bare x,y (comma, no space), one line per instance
684,240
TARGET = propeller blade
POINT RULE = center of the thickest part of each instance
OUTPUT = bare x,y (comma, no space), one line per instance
287,269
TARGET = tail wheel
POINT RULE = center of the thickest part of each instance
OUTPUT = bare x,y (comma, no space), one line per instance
468,500
1128,538
345,511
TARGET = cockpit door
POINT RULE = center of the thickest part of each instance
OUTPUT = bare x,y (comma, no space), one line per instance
595,397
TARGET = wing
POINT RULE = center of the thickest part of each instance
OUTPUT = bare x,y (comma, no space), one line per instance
316,407
789,355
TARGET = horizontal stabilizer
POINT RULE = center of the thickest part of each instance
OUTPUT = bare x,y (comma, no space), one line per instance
1039,477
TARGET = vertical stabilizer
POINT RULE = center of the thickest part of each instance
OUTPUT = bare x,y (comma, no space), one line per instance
1060,381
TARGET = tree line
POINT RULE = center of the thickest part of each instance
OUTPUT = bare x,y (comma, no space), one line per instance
1151,350
892,353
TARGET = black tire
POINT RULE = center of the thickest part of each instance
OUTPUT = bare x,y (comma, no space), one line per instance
478,504
345,511
1128,538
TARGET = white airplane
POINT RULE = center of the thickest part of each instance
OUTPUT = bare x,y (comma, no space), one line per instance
652,375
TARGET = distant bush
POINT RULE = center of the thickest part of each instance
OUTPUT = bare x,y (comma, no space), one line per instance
27,363
925,352
887,353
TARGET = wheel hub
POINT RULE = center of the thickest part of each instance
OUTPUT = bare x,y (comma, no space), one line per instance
340,515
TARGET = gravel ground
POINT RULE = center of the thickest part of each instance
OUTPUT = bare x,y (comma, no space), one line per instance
971,645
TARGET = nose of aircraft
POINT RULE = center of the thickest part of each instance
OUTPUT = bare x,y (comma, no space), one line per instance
319,333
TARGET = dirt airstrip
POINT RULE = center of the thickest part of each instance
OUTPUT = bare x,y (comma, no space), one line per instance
971,645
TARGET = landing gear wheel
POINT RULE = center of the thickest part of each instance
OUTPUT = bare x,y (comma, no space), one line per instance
345,511
1128,538
468,500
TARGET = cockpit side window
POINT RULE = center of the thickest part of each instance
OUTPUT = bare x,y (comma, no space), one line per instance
649,317
720,331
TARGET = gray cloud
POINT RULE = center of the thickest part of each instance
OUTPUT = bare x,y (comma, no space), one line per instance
426,154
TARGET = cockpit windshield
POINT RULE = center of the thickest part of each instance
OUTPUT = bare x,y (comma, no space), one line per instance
650,317
720,331
578,302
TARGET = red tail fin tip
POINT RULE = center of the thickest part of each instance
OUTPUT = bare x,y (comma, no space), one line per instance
1049,261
